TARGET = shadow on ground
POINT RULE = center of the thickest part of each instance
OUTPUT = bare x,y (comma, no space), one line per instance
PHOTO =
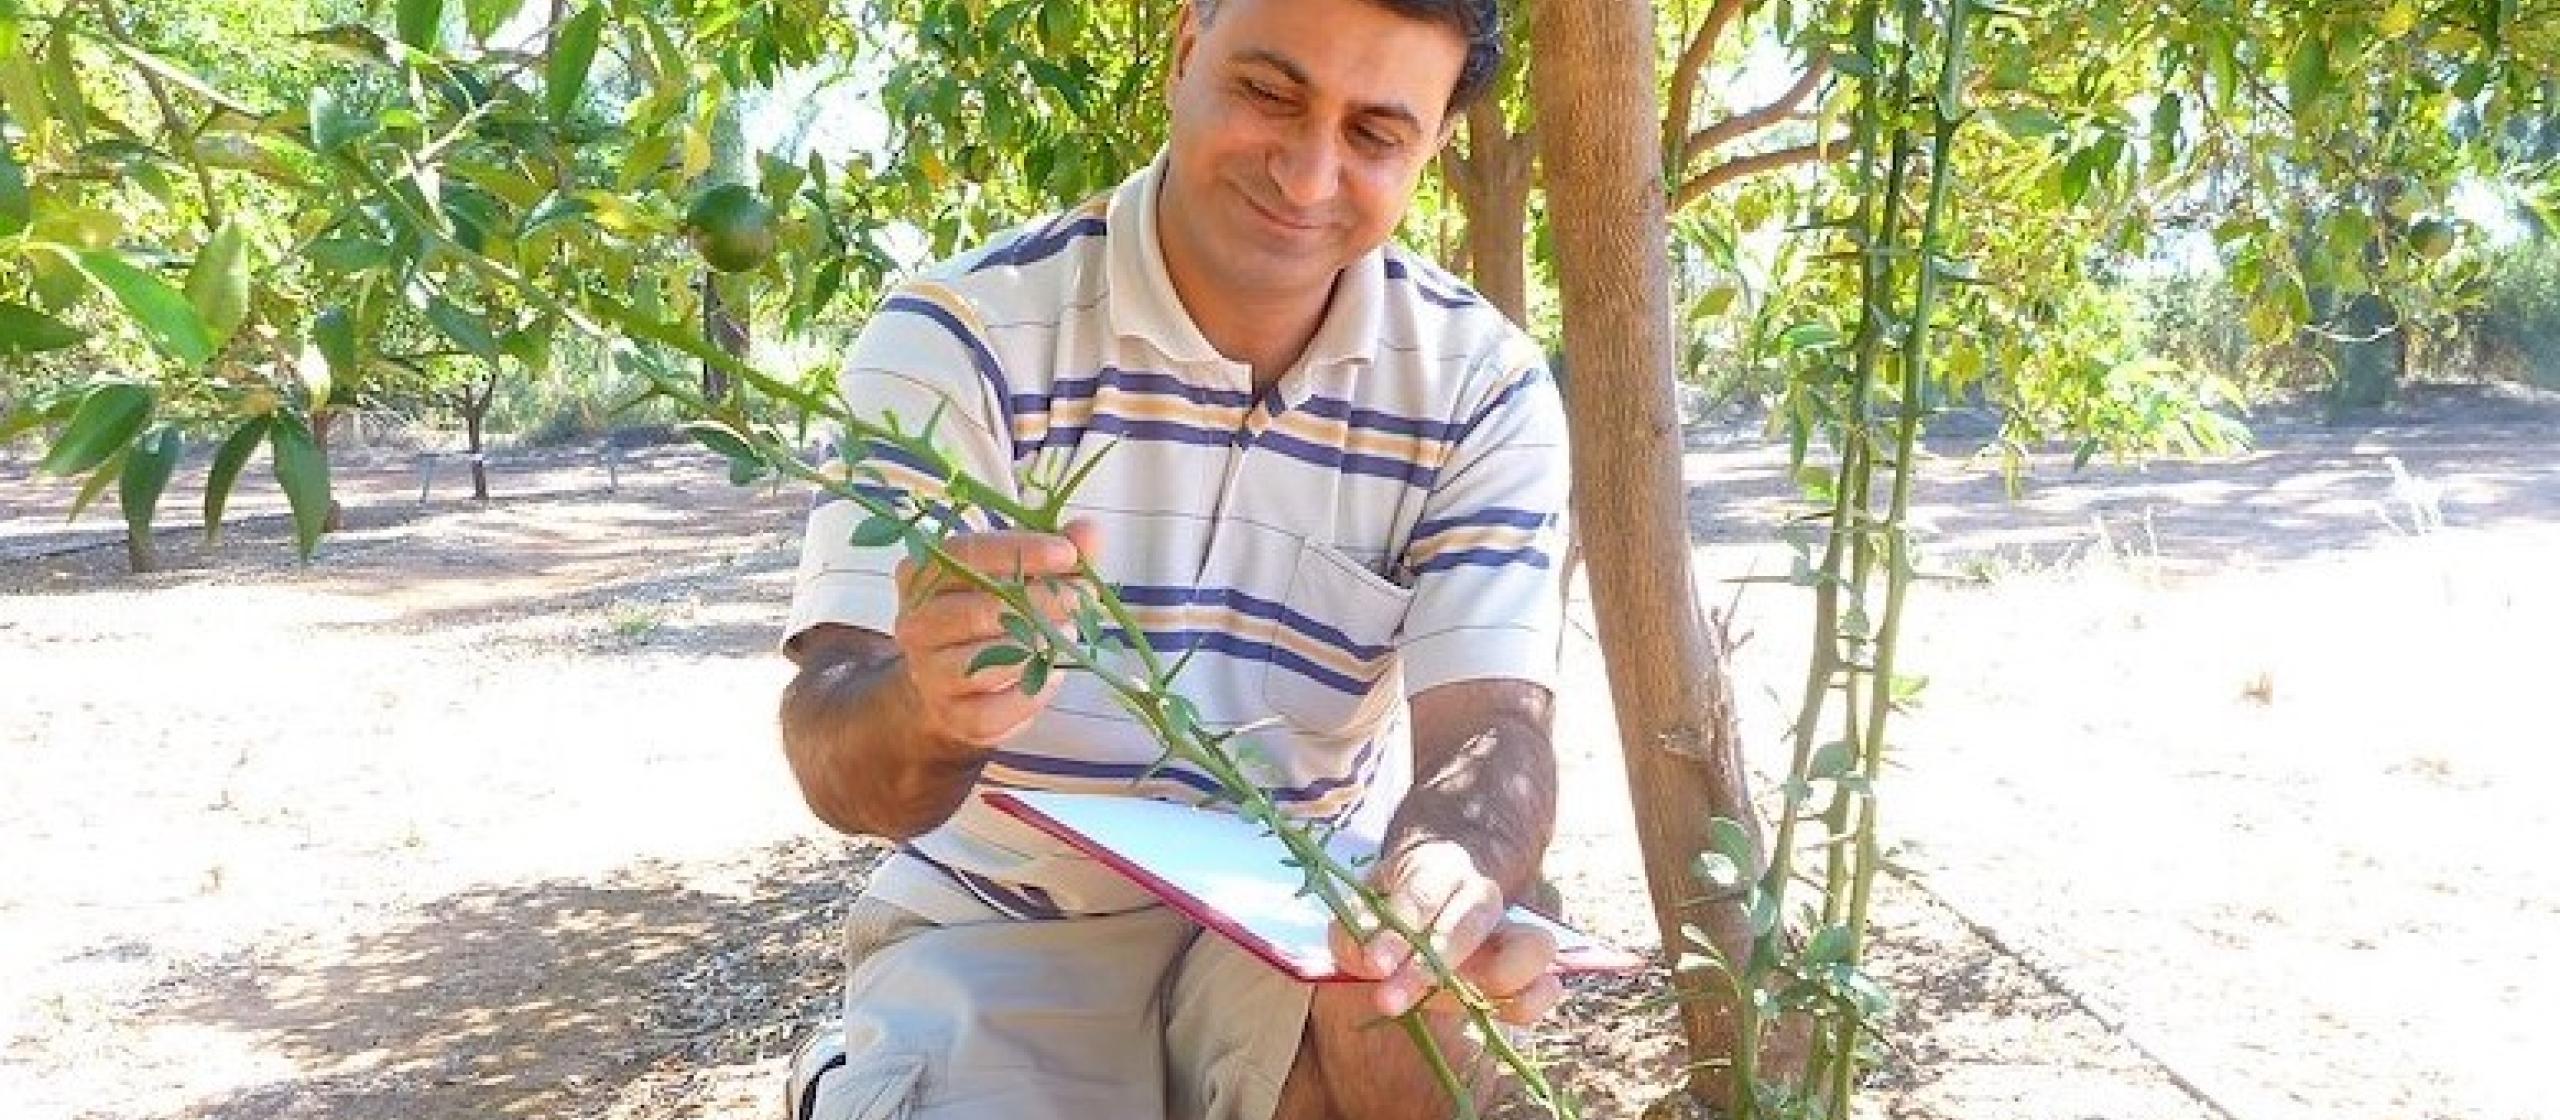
536,1000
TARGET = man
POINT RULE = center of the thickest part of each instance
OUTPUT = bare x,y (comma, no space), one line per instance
1337,482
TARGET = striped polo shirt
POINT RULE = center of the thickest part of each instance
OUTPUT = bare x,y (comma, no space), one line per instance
1387,518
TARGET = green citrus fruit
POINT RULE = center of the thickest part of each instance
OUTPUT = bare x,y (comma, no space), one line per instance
2431,238
731,227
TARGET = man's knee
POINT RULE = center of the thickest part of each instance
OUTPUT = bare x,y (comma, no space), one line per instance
1352,1063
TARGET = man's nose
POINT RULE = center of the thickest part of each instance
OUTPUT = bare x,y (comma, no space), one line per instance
1306,166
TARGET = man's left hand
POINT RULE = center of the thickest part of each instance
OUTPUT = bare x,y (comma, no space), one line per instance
1435,888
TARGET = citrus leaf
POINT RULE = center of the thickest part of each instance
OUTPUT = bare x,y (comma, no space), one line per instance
334,332
464,328
995,656
717,436
101,426
483,18
304,473
1728,837
218,284
225,472
146,476
335,123
25,330
107,472
878,532
418,22
164,315
16,208
564,76
1829,946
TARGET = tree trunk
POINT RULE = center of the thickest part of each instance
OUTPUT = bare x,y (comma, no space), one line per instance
475,417
1593,89
1492,184
726,329
322,419
139,555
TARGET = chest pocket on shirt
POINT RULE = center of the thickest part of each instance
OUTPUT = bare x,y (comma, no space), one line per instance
1331,647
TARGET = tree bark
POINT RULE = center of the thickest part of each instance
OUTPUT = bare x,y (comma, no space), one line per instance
1492,183
322,419
1601,128
475,416
139,555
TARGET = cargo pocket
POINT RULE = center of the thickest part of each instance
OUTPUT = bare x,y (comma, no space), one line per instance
875,1086
1330,649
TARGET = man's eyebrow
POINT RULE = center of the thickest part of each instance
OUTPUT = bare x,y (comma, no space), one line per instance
1298,74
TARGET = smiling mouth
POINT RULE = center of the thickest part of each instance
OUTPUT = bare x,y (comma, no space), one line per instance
1275,219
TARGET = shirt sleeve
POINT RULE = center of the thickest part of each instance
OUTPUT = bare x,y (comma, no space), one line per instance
1487,556
923,359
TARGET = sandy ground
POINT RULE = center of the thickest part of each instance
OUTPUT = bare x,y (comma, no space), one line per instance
2227,798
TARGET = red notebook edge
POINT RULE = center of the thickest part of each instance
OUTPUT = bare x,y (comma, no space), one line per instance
1597,957
1199,912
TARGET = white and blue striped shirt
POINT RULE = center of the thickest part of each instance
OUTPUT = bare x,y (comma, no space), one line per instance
1388,518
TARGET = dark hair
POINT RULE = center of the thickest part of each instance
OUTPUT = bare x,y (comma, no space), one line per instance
1479,22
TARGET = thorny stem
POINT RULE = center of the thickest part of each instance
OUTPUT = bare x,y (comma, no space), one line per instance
1949,114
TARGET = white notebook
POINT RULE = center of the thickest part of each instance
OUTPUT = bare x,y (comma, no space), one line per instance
1229,876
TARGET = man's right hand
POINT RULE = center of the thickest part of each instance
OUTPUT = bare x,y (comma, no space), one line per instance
944,624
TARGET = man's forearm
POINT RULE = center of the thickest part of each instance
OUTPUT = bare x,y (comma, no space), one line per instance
1485,781
852,732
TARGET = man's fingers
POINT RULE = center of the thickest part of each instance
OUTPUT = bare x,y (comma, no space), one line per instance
989,719
968,618
1003,554
1512,961
1461,919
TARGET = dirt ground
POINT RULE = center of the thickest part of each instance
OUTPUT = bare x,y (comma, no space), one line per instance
2228,798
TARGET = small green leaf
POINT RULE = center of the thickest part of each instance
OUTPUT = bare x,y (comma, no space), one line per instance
105,421
304,473
483,18
99,480
347,254
719,438
146,476
25,330
163,313
335,123
1809,336
464,328
1035,676
1830,760
419,21
1717,871
334,332
554,209
564,78
225,472
1727,836
218,284
2306,74
878,532
1829,946
997,656
16,207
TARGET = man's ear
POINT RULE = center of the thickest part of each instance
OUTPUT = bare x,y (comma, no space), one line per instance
1186,34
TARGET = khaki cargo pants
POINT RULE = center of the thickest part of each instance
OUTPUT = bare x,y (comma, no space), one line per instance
1136,1016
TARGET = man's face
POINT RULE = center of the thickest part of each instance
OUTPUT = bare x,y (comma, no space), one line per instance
1299,130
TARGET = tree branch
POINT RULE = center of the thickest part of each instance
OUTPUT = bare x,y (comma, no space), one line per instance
1684,75
1739,125
1698,185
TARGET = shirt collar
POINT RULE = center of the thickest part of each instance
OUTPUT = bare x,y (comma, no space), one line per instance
1143,304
